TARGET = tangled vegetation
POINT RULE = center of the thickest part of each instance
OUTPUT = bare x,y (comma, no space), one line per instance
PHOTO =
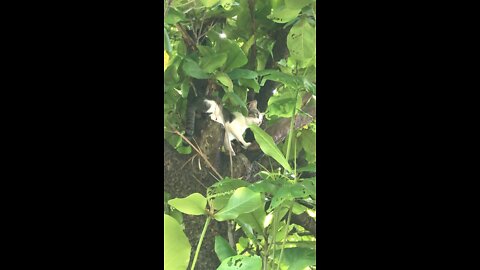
238,51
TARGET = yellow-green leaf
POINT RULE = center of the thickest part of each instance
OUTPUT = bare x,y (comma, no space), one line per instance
194,204
176,248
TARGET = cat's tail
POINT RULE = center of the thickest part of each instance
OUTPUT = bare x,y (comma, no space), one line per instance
190,123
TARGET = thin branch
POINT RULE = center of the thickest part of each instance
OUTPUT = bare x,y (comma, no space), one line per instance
199,152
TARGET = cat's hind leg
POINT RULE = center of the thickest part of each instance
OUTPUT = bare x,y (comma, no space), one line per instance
226,140
239,137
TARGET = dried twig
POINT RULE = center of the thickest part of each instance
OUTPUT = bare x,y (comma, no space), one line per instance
199,152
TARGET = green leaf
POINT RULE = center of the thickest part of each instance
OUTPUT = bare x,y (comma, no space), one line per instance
223,248
176,248
247,45
283,14
235,99
264,186
242,201
255,219
241,262
301,41
269,147
298,209
205,50
298,258
174,16
309,144
209,3
177,215
243,74
185,150
275,75
225,80
194,204
220,192
236,57
212,62
283,194
312,88
297,4
185,87
166,41
308,168
226,4
311,186
192,69
283,104
250,83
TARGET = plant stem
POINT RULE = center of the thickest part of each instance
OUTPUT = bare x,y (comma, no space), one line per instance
285,238
200,242
292,121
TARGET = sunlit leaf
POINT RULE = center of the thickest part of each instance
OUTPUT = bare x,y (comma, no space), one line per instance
298,258
209,3
297,4
194,204
283,14
166,59
301,41
242,201
176,248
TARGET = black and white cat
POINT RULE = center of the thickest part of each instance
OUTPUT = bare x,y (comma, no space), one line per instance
235,124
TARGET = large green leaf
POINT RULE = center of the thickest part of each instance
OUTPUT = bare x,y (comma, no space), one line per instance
212,62
269,147
275,75
242,201
224,80
236,57
243,74
176,248
283,14
166,41
283,104
309,144
194,204
250,83
192,69
301,41
223,248
220,192
298,258
226,4
209,3
297,4
255,219
283,194
241,262
174,16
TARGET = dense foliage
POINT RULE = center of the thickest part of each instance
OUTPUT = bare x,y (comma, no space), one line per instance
232,44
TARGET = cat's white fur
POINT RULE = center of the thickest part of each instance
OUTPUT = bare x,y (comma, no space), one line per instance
215,112
233,130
